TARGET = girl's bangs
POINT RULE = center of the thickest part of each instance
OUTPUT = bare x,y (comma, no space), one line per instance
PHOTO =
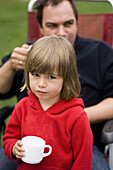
44,65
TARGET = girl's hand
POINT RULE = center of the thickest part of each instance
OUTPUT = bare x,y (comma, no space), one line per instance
18,150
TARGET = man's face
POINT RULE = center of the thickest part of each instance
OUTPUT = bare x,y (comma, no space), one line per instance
59,20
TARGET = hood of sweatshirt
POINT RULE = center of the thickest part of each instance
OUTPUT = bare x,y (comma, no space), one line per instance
56,108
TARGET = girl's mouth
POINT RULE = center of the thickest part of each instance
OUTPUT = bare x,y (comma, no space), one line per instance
41,92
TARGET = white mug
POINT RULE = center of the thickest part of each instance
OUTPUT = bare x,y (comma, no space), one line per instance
34,149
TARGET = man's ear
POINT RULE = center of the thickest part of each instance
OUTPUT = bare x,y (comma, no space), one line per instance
77,28
41,32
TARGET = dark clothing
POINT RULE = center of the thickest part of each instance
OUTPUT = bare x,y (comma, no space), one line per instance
95,68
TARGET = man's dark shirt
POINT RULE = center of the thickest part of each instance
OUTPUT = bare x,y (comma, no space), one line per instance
95,69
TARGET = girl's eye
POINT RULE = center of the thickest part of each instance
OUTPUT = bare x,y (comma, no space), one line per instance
52,77
35,75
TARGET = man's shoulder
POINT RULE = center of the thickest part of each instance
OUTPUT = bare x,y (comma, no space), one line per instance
88,41
91,45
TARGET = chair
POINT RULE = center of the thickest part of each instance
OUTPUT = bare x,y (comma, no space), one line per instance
100,27
33,26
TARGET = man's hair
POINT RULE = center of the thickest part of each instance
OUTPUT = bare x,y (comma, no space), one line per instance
42,3
50,55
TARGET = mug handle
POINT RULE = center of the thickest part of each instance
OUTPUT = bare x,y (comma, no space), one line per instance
48,153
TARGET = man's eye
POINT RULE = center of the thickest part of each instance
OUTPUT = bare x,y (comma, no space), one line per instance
69,23
52,77
51,25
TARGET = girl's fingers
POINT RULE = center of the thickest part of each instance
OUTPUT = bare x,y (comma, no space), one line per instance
19,155
19,146
18,151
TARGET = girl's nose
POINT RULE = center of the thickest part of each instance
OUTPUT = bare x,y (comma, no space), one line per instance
42,82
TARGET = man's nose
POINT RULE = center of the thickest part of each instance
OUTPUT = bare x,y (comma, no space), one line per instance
61,31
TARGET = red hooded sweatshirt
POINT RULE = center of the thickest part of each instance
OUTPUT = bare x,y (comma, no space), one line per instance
64,126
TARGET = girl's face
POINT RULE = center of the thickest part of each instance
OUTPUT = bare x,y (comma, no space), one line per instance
46,87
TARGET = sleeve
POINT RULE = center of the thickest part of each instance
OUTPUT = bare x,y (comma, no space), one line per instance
82,141
106,68
11,92
12,134
17,84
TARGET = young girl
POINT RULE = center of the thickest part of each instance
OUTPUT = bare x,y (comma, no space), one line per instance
52,110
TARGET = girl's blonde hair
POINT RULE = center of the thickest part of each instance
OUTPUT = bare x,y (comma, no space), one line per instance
54,54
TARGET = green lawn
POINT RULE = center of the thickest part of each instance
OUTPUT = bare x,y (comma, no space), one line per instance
94,7
13,25
13,29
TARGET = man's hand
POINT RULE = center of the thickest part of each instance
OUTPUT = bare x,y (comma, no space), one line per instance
18,57
10,67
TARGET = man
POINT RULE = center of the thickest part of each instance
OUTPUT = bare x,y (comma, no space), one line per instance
94,62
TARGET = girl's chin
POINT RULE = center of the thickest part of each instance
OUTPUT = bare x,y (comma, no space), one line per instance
41,97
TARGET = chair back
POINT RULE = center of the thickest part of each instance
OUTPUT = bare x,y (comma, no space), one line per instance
96,26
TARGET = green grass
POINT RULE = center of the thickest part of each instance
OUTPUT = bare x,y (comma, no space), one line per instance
13,25
94,7
13,29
